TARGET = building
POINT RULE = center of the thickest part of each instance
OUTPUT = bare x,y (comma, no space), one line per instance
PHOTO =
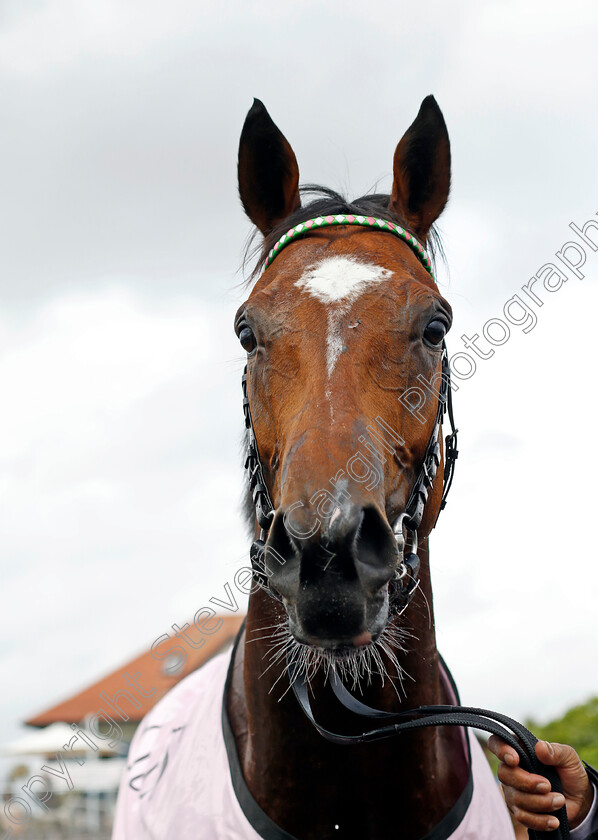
92,730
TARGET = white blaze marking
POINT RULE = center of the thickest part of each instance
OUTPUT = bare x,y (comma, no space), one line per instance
341,279
338,282
334,339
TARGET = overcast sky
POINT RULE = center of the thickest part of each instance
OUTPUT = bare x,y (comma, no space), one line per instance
121,237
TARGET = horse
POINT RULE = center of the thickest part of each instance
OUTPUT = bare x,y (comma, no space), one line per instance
346,362
346,391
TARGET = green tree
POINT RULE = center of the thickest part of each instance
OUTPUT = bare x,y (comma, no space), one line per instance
578,727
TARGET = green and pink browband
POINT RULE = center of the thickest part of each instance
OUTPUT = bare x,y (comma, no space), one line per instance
349,219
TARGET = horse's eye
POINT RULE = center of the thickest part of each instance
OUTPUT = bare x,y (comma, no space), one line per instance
435,331
247,339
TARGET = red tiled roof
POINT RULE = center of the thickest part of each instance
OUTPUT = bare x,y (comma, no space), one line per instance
152,674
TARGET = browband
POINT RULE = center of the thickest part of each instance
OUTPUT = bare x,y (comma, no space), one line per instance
358,221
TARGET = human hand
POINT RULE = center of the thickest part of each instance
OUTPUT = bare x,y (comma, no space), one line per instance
529,797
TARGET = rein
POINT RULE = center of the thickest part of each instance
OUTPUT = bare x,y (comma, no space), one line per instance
407,577
513,733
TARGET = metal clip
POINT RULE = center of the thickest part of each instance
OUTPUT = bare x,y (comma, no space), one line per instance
399,533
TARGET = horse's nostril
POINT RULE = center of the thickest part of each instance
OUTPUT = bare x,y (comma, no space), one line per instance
375,550
280,544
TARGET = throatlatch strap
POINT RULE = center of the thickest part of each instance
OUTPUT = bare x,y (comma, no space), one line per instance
513,733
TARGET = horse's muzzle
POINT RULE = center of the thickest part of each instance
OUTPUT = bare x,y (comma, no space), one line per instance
333,579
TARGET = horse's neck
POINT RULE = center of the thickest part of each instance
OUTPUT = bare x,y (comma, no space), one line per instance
282,754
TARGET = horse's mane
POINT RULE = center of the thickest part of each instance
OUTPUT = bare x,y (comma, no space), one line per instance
327,202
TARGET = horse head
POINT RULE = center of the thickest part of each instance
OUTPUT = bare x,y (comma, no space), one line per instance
344,333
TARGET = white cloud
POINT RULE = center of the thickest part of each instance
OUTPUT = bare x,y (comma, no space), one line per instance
517,533
120,479
36,37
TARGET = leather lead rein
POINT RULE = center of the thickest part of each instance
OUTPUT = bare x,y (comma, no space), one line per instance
513,733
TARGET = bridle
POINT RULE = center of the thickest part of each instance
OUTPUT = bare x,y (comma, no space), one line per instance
406,579
407,576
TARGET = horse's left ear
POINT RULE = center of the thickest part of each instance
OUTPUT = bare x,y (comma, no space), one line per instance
268,171
422,170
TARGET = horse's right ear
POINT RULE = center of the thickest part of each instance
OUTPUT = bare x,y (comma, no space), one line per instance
268,171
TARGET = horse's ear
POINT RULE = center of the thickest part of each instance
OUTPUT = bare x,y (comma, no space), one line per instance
268,171
422,170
